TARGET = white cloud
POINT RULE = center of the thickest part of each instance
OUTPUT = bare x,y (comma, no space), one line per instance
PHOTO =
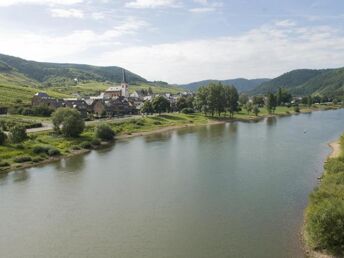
267,51
98,16
152,4
67,13
38,2
202,10
46,47
206,6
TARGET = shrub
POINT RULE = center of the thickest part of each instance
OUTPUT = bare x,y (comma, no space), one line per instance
297,109
19,146
37,159
325,222
187,111
38,149
22,159
68,121
53,152
3,137
334,165
4,164
86,145
105,132
75,147
18,134
95,142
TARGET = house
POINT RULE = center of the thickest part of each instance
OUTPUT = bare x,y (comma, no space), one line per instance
43,99
118,91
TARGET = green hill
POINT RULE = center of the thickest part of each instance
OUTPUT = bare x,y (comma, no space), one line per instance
21,79
326,82
241,84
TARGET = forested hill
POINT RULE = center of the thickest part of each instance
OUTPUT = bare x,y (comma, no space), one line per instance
241,84
328,82
55,73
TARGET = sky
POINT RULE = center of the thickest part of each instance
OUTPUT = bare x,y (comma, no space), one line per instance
178,41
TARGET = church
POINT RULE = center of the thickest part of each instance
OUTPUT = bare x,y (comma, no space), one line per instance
118,91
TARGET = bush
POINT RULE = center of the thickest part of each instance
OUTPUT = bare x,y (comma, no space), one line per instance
86,145
3,137
105,132
38,149
18,134
68,121
187,111
297,109
4,164
334,166
95,142
22,159
53,152
325,224
37,159
75,147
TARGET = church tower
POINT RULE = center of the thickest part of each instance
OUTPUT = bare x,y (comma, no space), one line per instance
124,85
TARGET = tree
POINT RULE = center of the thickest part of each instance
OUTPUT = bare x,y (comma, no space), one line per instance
309,101
3,137
216,98
248,106
105,132
68,121
258,100
232,97
160,104
271,103
243,99
150,91
181,103
147,108
279,97
201,101
256,110
18,134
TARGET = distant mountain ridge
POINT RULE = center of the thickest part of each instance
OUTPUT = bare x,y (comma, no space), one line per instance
56,73
329,82
241,84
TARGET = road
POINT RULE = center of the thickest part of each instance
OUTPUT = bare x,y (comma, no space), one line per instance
48,126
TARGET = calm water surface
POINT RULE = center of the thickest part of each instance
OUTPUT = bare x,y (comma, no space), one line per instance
233,190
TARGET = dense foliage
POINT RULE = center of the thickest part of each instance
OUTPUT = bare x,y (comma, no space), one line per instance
328,82
68,121
104,132
216,98
160,105
18,134
325,213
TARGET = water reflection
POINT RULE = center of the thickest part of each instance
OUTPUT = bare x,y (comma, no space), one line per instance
161,137
271,121
73,164
20,175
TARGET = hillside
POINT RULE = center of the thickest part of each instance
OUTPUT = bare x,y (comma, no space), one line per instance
241,84
21,79
329,82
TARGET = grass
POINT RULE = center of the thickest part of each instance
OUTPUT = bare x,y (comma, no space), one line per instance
325,212
94,88
11,152
15,87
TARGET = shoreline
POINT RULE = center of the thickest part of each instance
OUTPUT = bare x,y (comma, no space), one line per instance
211,121
309,252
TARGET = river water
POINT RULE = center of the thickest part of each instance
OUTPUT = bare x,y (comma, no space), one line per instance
230,190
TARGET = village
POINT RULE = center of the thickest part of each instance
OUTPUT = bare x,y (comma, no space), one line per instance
116,101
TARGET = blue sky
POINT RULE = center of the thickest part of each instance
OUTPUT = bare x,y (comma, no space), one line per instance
178,41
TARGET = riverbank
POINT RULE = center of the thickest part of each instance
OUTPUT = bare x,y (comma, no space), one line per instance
322,232
139,126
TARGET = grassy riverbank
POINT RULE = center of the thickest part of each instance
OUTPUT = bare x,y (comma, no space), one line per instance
45,146
324,217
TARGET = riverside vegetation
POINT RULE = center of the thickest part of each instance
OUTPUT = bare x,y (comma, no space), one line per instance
324,227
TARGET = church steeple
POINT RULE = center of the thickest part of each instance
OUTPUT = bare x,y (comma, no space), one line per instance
124,77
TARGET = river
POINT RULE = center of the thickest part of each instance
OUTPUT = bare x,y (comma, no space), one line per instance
228,190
